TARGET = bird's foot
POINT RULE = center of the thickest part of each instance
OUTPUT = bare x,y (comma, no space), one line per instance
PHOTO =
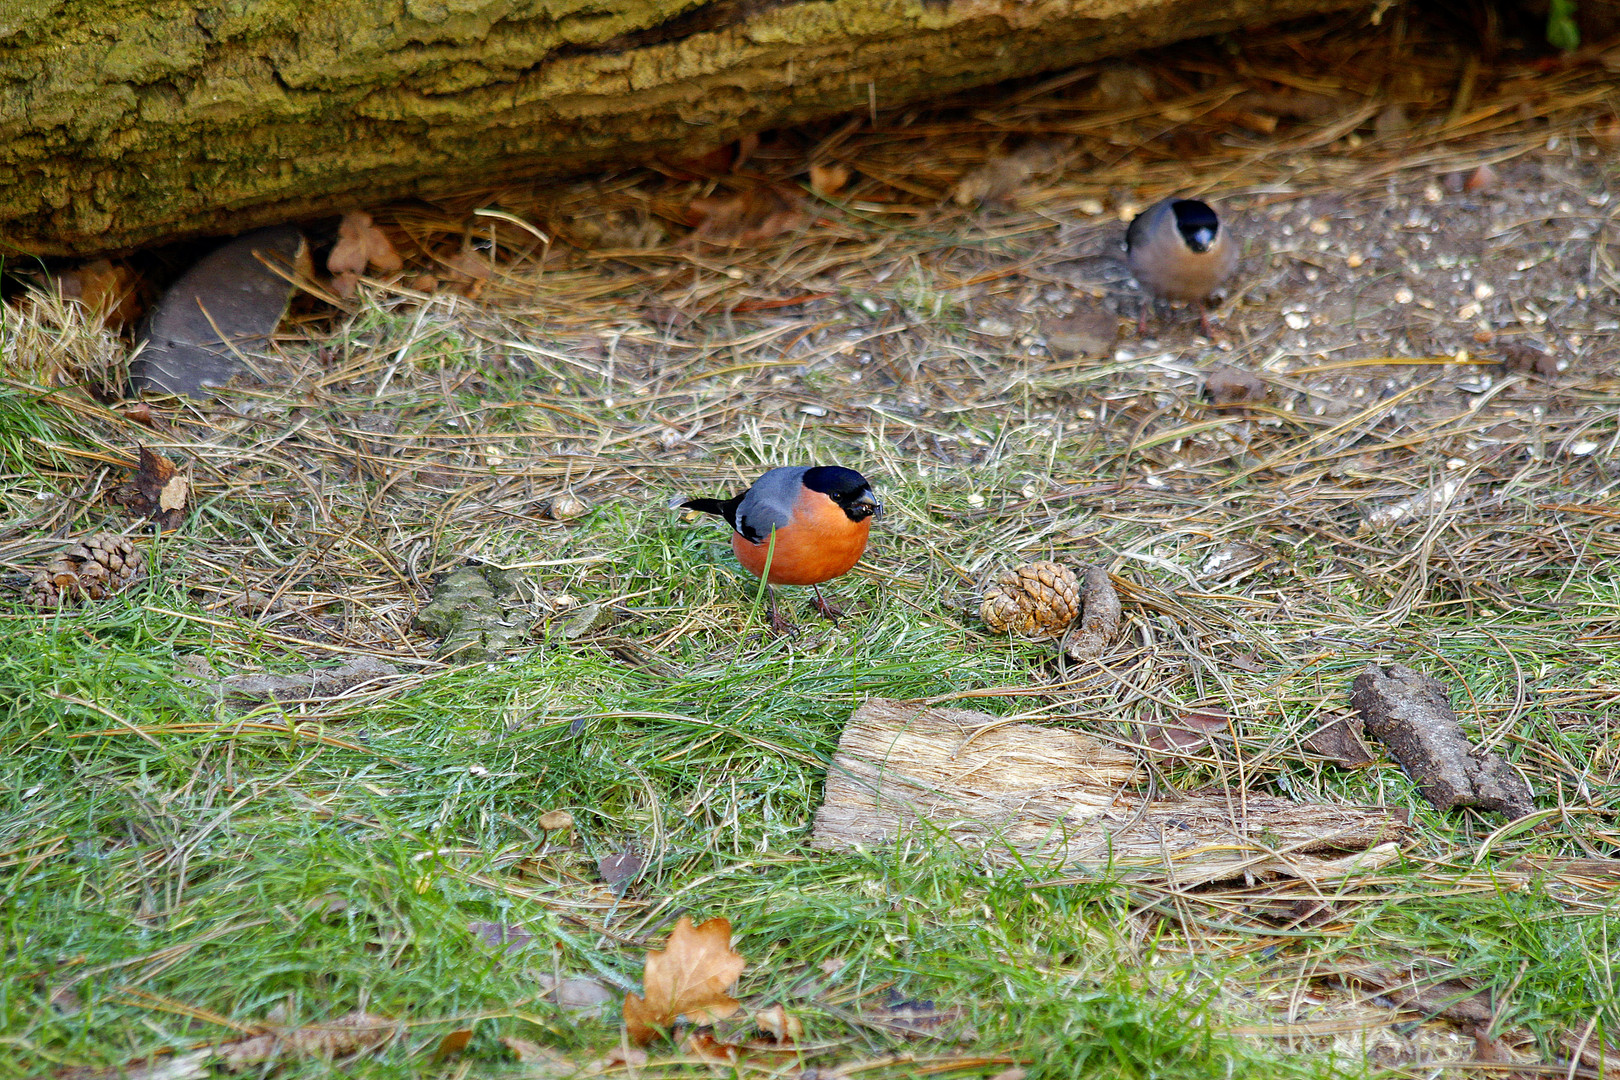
781,627
826,607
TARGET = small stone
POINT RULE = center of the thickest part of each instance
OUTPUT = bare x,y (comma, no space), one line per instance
565,507
1233,386
1353,260
1090,331
1296,320
1403,295
556,820
1483,178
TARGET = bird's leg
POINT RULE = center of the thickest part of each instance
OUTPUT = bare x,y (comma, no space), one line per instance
1141,317
1203,321
779,625
821,604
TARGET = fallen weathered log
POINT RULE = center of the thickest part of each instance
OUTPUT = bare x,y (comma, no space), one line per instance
123,122
1019,791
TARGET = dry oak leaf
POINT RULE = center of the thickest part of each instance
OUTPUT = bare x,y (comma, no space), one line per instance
158,490
828,180
360,244
747,217
688,978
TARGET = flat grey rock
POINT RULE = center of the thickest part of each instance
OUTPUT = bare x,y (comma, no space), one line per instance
225,306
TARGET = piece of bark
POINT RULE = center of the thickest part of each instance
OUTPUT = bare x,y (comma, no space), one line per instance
1016,791
222,309
1099,617
1411,713
1446,998
157,121
318,683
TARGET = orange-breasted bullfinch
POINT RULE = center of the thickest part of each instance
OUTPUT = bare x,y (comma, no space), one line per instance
798,525
1178,249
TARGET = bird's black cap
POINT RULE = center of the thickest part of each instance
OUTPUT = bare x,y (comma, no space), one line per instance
1194,217
846,487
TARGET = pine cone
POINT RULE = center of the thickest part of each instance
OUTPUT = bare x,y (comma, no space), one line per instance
1038,599
100,566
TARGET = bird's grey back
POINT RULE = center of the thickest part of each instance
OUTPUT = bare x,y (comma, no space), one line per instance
769,503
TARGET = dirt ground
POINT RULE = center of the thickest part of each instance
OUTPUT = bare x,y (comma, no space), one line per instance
1426,320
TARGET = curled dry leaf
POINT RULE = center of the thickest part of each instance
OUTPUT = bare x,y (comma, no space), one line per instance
453,1043
690,977
158,490
829,179
779,1025
619,869
1233,386
748,217
1000,177
360,245
1339,740
556,820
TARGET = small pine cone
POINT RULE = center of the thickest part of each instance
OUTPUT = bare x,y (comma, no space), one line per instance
1038,599
95,568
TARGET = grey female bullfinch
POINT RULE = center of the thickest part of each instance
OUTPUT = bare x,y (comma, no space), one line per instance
1179,249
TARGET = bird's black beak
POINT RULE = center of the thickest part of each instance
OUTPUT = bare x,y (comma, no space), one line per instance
868,501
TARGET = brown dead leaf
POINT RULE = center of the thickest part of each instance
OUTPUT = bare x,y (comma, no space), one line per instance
502,937
626,1056
828,180
706,1048
752,216
1186,733
158,490
110,290
453,1043
532,1053
336,1038
689,977
779,1025
1233,386
1340,741
619,869
1001,177
361,245
141,413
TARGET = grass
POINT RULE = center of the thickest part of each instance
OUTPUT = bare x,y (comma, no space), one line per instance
178,869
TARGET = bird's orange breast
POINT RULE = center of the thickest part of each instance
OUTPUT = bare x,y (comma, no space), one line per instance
818,544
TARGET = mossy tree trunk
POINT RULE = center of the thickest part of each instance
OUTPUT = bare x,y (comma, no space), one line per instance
125,122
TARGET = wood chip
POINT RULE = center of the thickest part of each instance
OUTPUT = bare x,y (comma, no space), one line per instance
1018,791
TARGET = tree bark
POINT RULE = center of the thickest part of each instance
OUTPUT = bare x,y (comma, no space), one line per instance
124,122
